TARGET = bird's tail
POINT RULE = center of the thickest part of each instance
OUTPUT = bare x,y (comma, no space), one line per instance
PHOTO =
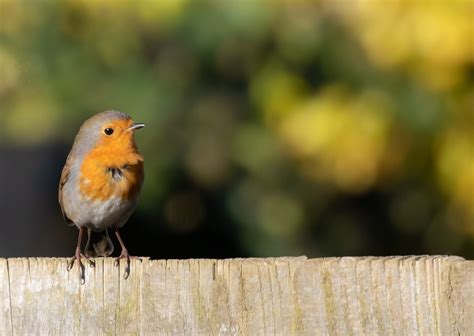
98,246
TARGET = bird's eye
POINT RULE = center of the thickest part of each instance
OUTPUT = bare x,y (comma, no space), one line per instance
109,131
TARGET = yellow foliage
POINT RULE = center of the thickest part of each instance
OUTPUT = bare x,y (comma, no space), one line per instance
9,71
340,137
277,92
431,39
33,118
455,165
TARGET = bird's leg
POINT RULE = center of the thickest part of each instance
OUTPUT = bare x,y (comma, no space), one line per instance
78,255
86,248
123,255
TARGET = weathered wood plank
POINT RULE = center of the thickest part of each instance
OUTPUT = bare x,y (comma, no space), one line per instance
425,295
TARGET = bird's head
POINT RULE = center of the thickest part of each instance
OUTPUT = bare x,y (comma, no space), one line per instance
108,133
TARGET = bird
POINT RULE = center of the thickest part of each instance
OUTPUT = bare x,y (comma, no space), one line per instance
100,184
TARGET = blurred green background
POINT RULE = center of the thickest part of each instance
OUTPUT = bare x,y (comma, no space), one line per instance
274,127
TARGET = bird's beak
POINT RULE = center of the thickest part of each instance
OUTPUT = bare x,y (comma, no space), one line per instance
135,127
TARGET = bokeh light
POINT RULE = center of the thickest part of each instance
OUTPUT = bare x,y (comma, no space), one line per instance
273,127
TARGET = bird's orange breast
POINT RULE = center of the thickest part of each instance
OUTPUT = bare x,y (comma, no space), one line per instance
112,170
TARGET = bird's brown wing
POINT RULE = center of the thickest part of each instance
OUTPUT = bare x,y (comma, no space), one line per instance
62,181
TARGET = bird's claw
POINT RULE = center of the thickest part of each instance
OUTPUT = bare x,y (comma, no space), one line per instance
127,257
78,256
91,262
70,263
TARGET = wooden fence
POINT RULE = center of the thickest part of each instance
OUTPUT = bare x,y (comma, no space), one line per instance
414,295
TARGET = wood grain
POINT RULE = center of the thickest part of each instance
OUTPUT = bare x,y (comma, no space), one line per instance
415,295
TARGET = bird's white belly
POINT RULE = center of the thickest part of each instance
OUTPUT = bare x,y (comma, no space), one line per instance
101,214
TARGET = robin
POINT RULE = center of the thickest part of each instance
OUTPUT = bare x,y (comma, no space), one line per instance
100,183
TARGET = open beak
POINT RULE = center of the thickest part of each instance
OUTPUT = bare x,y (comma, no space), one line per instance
135,126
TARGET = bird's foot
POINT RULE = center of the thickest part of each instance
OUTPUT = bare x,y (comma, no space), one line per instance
125,255
78,256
